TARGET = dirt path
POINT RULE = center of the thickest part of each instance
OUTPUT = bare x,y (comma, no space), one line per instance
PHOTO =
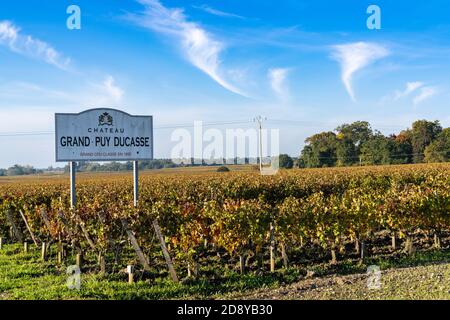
424,282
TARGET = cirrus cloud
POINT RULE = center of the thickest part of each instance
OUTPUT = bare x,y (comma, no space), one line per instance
217,12
278,78
199,47
425,93
11,37
410,88
354,57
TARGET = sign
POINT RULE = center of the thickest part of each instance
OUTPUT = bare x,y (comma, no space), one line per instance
103,134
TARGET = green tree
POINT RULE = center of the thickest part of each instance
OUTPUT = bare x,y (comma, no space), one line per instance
286,161
402,148
307,158
358,132
346,152
377,150
320,150
18,170
423,133
439,149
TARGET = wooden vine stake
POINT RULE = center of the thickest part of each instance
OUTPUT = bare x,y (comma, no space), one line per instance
333,256
193,269
363,250
242,264
17,234
45,218
272,248
85,233
437,241
130,274
284,256
169,263
79,260
28,228
25,247
102,263
357,245
134,243
409,245
393,242
60,253
1,243
44,251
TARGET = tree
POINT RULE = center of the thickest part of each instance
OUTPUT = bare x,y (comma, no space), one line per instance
402,152
18,170
320,150
307,159
439,149
358,132
286,161
377,150
346,152
423,133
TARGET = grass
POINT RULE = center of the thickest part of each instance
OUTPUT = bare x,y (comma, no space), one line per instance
24,276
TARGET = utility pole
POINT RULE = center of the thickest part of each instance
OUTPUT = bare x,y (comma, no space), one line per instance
260,120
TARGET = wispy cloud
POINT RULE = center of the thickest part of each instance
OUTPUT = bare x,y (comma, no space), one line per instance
278,79
26,45
354,57
417,89
199,46
105,92
109,86
219,13
410,88
19,94
425,93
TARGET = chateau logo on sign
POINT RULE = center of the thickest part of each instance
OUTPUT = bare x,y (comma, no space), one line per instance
105,119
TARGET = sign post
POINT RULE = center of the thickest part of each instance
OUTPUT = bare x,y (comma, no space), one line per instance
73,194
136,182
103,134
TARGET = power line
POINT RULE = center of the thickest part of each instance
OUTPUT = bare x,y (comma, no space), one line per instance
29,133
323,123
174,126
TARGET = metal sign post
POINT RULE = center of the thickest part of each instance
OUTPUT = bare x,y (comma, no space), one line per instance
136,182
73,194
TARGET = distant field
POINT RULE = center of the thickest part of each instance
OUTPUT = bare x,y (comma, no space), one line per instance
84,175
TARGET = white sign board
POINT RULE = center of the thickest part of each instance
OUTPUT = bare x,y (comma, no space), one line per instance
103,135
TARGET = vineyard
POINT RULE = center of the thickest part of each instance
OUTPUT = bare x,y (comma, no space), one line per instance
239,220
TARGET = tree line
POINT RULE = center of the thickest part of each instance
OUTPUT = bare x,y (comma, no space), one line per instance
358,144
88,166
18,170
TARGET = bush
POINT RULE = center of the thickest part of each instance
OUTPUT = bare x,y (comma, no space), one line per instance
286,161
222,169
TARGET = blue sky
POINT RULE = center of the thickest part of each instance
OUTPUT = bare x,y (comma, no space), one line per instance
311,64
